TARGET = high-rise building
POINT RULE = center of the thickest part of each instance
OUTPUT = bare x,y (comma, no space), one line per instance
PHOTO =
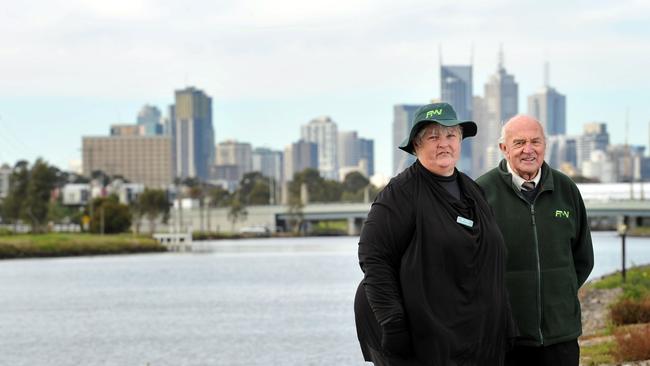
127,130
561,150
349,149
269,163
139,159
367,152
403,115
499,104
231,152
150,118
299,156
549,108
324,133
456,89
355,154
193,133
594,137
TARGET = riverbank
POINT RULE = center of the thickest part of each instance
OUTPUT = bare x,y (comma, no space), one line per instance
616,319
643,231
74,244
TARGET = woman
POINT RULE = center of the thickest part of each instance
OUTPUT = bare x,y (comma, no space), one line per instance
433,291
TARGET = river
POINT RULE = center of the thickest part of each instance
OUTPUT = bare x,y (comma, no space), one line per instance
246,302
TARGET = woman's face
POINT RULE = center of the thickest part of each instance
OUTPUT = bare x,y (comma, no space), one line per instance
439,148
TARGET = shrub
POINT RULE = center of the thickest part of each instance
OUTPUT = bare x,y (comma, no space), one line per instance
629,311
633,343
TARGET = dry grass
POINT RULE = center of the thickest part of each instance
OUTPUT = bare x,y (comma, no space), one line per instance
631,311
633,343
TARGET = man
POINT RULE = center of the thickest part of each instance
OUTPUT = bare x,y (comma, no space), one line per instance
544,223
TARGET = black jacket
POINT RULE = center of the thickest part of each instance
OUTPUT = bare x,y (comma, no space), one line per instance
438,279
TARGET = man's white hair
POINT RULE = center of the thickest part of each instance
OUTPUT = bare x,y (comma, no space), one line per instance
502,136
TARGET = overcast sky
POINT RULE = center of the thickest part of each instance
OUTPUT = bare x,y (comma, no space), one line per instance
71,68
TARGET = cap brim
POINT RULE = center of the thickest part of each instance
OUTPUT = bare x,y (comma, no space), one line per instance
469,130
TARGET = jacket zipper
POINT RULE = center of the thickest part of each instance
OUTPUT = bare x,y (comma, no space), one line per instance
539,276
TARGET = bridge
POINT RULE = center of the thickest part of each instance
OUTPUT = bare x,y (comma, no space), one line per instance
282,218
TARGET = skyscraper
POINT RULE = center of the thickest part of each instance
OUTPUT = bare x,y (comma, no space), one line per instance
402,121
594,137
499,104
299,156
456,89
355,154
193,134
348,146
150,118
549,107
323,132
239,154
367,152
269,163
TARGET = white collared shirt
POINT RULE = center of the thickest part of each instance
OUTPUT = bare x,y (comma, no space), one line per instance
518,181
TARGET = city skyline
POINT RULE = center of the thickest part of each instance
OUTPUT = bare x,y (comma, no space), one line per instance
73,69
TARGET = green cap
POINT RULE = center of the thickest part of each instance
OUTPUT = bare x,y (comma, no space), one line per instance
442,113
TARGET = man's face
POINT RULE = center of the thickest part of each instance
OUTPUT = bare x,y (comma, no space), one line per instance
524,146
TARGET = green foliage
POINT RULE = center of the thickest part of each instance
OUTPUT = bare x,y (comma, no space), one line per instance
237,212
319,189
42,180
58,244
355,182
254,189
57,212
18,181
335,227
636,286
218,197
153,203
110,215
597,354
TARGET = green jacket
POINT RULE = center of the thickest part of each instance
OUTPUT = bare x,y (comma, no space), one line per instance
549,253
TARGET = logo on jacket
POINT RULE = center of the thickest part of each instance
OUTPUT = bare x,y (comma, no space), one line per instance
560,213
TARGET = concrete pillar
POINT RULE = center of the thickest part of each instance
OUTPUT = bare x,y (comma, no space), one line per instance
351,226
304,194
284,196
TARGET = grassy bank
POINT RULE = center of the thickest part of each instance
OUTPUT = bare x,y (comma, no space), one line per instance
59,245
640,231
627,336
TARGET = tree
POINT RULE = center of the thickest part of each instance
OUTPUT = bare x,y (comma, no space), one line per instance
319,189
196,191
153,203
42,180
218,197
109,216
237,212
354,182
18,181
254,189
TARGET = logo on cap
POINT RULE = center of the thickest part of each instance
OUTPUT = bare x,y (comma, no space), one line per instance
434,111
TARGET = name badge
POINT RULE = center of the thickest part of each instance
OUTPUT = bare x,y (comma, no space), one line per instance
463,221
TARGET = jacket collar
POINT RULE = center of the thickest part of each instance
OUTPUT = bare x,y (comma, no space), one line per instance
546,179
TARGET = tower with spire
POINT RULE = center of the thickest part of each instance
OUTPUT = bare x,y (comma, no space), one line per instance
499,104
549,107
